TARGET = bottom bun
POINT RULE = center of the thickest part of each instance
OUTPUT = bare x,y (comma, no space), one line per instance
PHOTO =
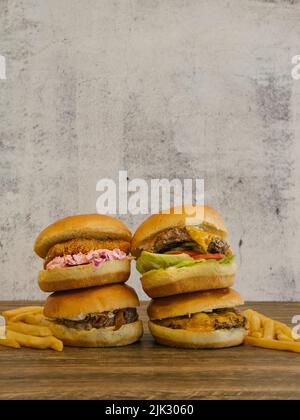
98,337
82,276
197,340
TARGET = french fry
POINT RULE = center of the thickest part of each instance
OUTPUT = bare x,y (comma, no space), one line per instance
24,310
269,329
36,342
257,321
284,328
254,321
6,342
33,319
35,330
283,337
19,317
257,334
273,344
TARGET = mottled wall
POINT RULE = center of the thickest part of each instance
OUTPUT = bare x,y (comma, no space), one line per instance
170,88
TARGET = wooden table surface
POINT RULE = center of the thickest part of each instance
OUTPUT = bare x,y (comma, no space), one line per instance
147,370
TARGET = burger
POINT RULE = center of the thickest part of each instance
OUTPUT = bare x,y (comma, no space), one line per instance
183,251
83,251
95,317
198,320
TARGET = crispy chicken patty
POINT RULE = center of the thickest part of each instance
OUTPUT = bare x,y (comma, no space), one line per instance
84,246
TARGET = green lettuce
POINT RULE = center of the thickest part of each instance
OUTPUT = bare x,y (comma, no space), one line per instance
149,261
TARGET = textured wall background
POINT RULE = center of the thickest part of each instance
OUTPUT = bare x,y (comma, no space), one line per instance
170,88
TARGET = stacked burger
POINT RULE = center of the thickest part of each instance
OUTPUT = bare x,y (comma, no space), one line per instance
188,269
86,263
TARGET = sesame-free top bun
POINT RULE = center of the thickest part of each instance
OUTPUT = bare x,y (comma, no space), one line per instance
78,303
179,216
191,303
87,226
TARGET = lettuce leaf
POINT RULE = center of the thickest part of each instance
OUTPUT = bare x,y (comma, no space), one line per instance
227,260
149,261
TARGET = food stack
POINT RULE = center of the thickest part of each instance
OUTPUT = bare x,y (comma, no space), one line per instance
86,263
188,269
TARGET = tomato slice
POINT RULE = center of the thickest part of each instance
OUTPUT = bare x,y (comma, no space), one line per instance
191,253
209,257
197,256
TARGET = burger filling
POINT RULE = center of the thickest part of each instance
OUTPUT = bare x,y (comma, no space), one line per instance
86,251
115,319
199,239
219,319
185,246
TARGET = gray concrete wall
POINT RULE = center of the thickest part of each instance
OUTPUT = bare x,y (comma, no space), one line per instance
185,88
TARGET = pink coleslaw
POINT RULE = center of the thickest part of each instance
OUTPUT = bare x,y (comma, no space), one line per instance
96,258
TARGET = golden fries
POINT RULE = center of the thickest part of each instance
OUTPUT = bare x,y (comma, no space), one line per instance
253,320
27,327
36,342
283,337
269,329
33,319
36,330
273,344
266,333
20,311
6,342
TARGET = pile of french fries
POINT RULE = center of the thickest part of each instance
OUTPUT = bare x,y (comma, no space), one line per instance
269,334
27,327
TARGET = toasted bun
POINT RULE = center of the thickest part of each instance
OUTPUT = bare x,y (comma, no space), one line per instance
197,340
88,226
192,303
79,303
199,277
188,215
101,337
81,276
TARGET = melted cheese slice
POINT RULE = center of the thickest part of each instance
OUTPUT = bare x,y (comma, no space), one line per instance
200,322
201,237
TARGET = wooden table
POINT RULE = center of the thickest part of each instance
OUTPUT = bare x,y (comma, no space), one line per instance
149,371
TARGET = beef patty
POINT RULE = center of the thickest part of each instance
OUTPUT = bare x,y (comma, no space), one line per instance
219,319
103,319
180,237
171,238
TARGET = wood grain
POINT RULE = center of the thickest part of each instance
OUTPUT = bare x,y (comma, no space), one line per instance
149,371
